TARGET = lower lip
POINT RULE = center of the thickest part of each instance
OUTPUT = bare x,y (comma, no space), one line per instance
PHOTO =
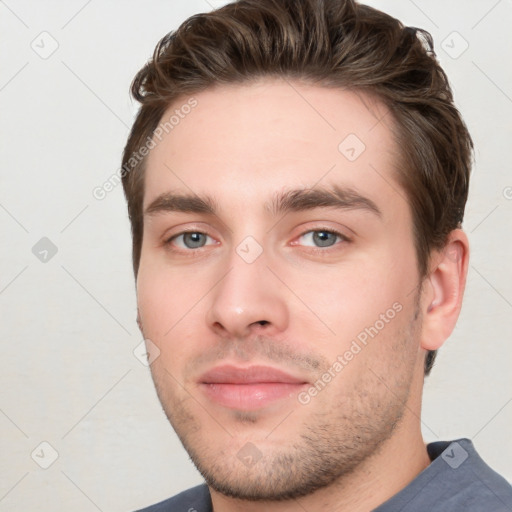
250,396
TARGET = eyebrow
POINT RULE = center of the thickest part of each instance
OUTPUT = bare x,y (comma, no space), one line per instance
310,198
291,200
170,202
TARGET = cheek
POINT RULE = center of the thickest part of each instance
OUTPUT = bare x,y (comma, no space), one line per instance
372,293
153,301
164,301
172,305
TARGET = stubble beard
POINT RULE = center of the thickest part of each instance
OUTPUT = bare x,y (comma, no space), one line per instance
329,444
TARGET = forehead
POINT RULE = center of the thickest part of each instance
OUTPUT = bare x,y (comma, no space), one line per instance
246,141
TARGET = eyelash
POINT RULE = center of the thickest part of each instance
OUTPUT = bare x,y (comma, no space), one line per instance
321,250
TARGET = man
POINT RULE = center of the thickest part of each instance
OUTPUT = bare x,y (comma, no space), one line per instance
296,181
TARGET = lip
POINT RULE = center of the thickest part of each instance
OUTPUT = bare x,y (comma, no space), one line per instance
249,388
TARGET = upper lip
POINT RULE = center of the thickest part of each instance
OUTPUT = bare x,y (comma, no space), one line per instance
228,374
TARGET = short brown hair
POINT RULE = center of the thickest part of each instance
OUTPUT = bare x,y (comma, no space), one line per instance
331,43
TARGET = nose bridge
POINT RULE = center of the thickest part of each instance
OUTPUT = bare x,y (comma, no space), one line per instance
248,294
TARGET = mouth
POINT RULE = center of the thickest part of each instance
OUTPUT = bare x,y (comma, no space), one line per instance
249,388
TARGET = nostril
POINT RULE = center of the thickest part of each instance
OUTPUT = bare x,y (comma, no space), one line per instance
262,322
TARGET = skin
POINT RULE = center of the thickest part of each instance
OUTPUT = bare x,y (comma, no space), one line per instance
297,306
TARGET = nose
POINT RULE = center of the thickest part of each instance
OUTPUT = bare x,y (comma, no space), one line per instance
248,300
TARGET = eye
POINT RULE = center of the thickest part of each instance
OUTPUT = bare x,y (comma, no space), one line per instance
191,240
320,238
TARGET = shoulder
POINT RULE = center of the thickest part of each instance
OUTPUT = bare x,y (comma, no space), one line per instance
473,482
486,485
456,480
196,499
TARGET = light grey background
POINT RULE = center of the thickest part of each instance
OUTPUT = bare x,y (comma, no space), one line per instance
68,373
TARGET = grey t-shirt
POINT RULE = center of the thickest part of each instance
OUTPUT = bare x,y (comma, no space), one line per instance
457,480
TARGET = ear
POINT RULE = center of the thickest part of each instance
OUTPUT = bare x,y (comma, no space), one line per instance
139,322
443,290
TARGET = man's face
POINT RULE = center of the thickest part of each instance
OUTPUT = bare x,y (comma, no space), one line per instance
278,278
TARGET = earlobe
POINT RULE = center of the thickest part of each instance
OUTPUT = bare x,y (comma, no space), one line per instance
443,291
